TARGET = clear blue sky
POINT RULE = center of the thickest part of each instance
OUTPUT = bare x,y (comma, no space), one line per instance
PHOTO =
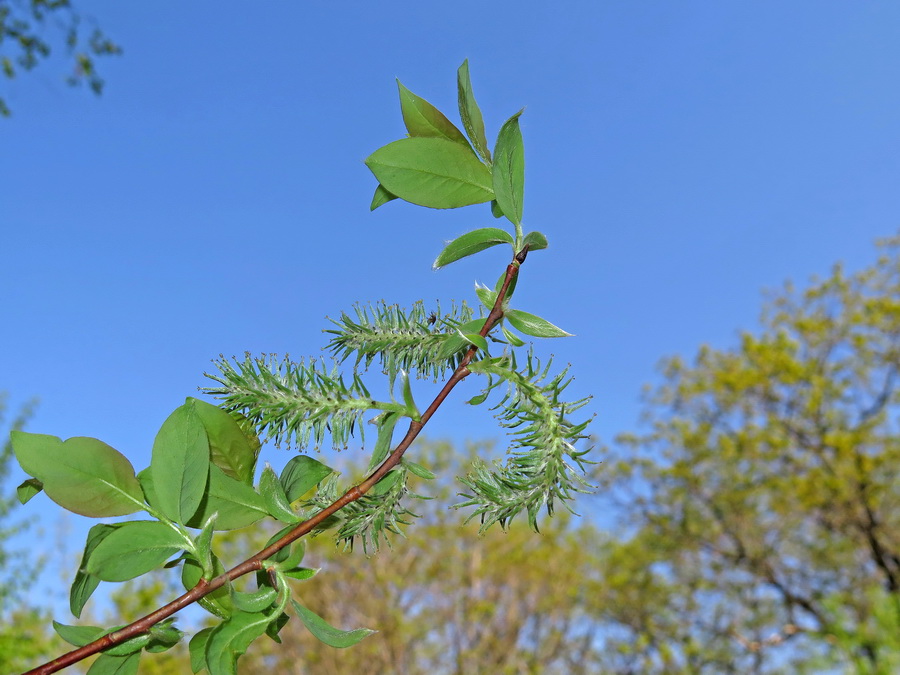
681,157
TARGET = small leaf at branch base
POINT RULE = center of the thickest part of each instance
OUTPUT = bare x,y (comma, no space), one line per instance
301,474
423,119
386,425
486,295
533,325
471,243
470,113
28,489
535,241
133,549
83,475
275,499
509,170
381,197
432,172
325,632
512,338
477,340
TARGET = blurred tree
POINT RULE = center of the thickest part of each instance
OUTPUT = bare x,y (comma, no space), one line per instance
24,637
765,503
29,27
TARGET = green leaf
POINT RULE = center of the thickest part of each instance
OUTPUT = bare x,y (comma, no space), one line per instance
83,475
289,556
411,410
133,549
275,499
477,340
179,464
509,289
301,474
509,169
423,119
275,626
325,632
78,636
386,425
456,342
106,664
536,241
478,400
432,172
231,448
85,584
28,489
418,470
230,640
470,113
385,484
301,573
236,503
163,636
533,325
203,543
496,211
381,197
254,602
512,338
218,603
197,648
486,295
471,243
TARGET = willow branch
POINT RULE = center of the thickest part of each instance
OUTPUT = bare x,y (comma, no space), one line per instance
255,562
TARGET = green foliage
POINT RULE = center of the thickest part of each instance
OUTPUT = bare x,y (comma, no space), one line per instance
26,37
763,499
200,481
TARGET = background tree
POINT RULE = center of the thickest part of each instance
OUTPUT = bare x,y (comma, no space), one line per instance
29,28
765,502
23,633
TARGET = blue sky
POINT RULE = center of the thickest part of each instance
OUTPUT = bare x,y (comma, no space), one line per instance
681,157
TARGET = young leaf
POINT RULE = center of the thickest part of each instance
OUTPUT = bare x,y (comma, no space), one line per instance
535,241
230,447
509,289
496,211
107,664
254,602
385,484
386,424
301,474
381,197
133,549
275,626
432,172
302,573
512,338
85,584
197,648
418,470
486,295
423,119
275,499
179,463
28,489
218,603
236,503
325,632
533,325
477,340
470,112
83,475
77,636
509,169
230,640
471,243
411,410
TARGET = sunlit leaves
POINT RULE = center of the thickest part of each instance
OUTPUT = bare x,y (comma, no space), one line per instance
180,464
83,475
85,584
470,113
301,474
533,325
231,447
133,549
381,197
535,241
235,504
471,243
509,170
433,172
324,631
230,639
423,119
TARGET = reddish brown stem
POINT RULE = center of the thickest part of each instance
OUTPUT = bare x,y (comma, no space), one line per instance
254,563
